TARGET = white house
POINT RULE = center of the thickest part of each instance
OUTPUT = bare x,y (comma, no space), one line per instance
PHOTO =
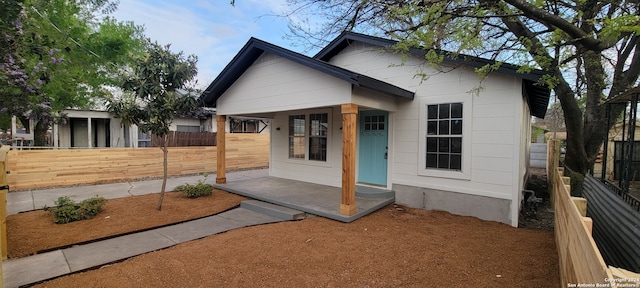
95,128
353,115
100,129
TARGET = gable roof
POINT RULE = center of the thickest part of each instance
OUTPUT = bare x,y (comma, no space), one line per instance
537,96
255,47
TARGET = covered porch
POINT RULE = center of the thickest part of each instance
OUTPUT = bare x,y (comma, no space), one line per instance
346,203
316,199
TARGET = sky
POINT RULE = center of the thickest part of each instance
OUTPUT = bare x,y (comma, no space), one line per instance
213,30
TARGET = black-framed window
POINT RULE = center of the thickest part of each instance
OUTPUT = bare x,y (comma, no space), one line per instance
318,128
444,136
296,136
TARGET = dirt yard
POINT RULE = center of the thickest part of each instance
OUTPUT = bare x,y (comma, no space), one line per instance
394,247
34,232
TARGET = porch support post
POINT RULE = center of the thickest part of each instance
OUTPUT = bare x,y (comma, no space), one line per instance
221,164
89,136
349,115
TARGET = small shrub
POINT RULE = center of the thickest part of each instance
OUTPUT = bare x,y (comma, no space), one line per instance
195,191
67,210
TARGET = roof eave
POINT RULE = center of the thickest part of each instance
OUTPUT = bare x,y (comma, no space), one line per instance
255,47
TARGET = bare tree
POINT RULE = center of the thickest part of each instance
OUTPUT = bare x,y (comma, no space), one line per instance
590,48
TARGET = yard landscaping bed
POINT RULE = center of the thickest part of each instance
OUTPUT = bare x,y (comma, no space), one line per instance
393,247
32,232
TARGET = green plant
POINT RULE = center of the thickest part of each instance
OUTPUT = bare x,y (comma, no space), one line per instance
195,191
67,210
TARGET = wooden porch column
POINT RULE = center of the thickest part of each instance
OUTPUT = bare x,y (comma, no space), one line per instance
349,116
221,177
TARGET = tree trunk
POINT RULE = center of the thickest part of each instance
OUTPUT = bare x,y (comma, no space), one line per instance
39,130
40,134
165,152
576,155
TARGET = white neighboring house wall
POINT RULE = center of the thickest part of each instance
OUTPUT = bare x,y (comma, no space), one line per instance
89,128
92,128
19,139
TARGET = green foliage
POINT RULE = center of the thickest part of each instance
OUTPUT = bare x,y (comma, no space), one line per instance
67,210
59,54
195,191
154,83
5,121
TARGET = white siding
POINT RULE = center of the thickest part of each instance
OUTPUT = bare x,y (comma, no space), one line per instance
326,173
372,99
498,122
183,122
520,178
274,84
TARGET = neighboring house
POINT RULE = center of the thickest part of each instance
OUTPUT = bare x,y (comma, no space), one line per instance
434,143
92,128
615,155
247,125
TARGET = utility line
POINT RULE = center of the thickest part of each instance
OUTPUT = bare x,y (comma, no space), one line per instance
71,38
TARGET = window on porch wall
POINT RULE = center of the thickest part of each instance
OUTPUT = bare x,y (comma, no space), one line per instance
314,139
318,126
296,136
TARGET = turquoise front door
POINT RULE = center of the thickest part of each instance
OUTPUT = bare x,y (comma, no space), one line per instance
372,148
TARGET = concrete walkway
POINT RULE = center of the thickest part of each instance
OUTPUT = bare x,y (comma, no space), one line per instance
40,267
28,200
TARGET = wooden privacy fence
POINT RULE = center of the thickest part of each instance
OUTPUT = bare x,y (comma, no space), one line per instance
47,168
4,189
579,257
184,139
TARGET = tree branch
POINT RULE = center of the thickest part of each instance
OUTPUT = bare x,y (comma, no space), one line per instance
549,20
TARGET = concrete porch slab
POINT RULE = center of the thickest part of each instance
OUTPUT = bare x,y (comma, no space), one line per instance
311,198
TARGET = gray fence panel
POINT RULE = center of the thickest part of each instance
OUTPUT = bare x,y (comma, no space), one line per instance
538,155
616,226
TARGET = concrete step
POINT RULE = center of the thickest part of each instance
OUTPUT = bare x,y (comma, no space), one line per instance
373,192
272,210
